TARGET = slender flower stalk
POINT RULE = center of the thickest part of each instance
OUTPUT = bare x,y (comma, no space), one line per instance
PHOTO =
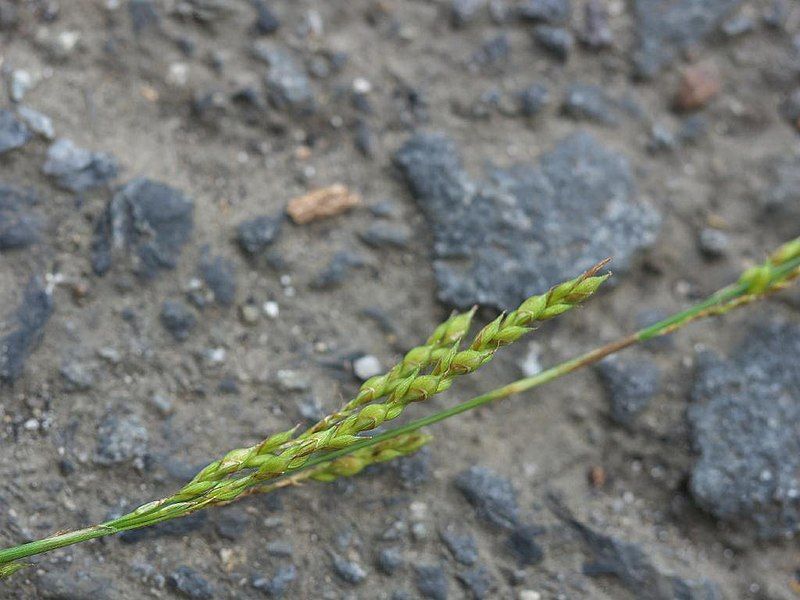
781,268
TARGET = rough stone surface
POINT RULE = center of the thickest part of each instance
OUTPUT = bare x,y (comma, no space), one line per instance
523,546
188,583
390,560
77,169
478,581
27,328
493,496
630,385
431,582
147,223
547,11
178,319
666,27
461,544
219,274
121,437
287,83
20,224
348,570
746,422
278,584
585,102
500,242
254,235
13,132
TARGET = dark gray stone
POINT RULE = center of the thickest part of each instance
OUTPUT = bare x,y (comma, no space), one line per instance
493,51
348,570
523,546
533,99
339,267
278,584
390,560
431,582
464,11
254,235
584,102
287,83
478,581
630,384
667,27
461,544
267,21
219,274
121,437
556,40
20,224
738,25
146,223
745,427
596,32
144,15
188,583
178,319
546,11
493,496
782,197
13,132
414,470
57,585
232,523
715,243
499,242
386,235
26,329
77,169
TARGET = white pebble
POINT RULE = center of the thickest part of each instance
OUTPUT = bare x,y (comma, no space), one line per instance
271,309
367,366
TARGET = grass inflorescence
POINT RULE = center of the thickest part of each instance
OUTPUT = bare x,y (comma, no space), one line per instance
339,444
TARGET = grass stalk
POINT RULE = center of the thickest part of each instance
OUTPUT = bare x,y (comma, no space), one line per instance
781,268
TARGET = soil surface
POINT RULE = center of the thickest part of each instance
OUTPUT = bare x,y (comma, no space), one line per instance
143,333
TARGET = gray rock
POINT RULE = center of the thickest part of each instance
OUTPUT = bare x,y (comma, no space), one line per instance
431,582
38,122
714,243
596,33
278,584
178,319
26,329
523,546
188,583
20,224
348,570
667,27
267,21
339,267
584,102
77,375
121,437
13,132
287,83
147,224
219,274
630,384
556,40
292,381
77,169
745,427
782,197
461,544
57,585
386,235
493,496
232,523
498,243
144,15
738,25
533,99
254,235
414,470
547,11
492,52
629,563
478,581
389,560
464,11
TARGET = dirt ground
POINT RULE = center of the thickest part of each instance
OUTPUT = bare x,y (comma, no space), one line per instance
162,102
